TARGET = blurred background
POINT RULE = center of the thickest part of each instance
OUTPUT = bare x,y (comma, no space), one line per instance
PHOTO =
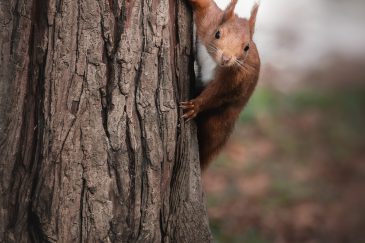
294,168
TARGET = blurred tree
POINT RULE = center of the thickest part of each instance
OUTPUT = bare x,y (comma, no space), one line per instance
92,148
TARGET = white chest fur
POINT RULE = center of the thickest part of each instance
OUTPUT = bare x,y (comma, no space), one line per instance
206,63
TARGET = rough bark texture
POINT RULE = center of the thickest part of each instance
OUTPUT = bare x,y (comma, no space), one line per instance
91,144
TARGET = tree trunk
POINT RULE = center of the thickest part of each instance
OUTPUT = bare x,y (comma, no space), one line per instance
92,145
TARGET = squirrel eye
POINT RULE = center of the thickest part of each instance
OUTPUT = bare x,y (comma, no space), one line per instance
218,34
246,48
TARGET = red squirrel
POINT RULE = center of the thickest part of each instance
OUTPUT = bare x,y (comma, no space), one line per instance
229,62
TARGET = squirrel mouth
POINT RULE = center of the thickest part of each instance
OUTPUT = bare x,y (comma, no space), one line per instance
223,64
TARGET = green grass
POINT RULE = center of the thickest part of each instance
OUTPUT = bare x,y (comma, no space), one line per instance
348,101
341,118
248,236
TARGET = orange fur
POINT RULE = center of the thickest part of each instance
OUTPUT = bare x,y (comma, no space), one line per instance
221,101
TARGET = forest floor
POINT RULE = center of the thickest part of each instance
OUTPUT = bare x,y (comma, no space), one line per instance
293,170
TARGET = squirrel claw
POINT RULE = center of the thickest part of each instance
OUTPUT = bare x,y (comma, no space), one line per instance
189,119
189,115
190,110
186,105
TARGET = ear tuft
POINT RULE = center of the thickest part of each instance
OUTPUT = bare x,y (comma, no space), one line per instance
252,20
229,11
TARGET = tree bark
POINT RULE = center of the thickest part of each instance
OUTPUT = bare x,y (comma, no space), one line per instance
92,145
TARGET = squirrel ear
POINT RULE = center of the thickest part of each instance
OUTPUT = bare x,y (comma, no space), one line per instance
229,11
252,20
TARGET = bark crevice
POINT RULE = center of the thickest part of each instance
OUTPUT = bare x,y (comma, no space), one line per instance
94,147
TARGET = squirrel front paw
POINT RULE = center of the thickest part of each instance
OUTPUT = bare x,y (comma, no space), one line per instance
190,109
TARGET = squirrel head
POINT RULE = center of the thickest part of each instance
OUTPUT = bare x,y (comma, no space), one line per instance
230,43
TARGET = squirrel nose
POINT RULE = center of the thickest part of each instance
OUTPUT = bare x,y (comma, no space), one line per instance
225,59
